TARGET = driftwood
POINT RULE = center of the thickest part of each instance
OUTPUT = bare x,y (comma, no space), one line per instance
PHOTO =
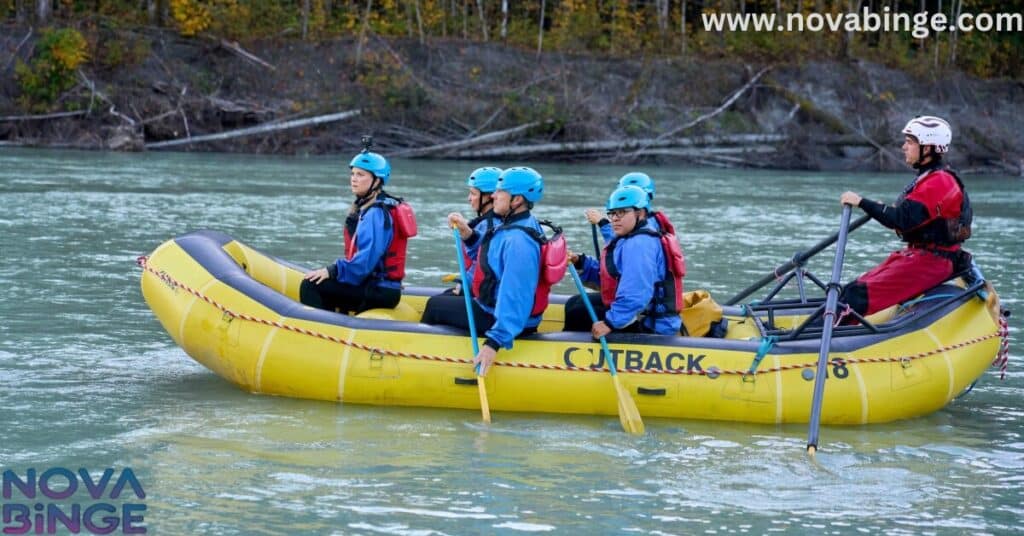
261,129
710,151
724,106
97,93
445,148
637,145
14,54
43,117
882,150
233,46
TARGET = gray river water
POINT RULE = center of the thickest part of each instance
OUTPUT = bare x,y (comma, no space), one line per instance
89,379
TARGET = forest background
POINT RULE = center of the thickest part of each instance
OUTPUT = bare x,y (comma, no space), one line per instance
598,80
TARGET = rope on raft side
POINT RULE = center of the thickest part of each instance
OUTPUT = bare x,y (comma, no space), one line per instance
713,372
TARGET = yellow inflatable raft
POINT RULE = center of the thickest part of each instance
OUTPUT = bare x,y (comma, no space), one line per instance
235,310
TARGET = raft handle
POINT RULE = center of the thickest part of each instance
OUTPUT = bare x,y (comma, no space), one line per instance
648,391
465,381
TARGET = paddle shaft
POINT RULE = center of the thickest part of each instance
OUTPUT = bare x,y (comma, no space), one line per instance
485,407
798,259
593,317
597,246
831,298
465,294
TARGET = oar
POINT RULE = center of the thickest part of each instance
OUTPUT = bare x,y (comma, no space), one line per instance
597,246
831,297
797,260
485,408
629,416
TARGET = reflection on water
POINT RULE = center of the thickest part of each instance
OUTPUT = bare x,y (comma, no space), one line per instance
90,379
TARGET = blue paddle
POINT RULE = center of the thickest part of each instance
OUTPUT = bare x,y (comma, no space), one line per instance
485,409
629,415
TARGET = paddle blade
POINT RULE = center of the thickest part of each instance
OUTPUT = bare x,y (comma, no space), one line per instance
629,416
485,408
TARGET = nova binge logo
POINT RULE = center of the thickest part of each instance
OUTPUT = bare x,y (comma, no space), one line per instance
40,502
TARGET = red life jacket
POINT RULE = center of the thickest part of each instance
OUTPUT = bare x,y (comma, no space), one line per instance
553,264
400,216
668,292
950,217
664,223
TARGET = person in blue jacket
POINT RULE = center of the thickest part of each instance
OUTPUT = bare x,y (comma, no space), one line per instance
481,183
505,290
376,229
633,274
658,220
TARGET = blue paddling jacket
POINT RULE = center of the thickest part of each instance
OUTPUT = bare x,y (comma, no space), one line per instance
514,258
640,259
373,234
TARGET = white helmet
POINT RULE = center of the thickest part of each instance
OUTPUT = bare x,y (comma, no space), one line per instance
930,130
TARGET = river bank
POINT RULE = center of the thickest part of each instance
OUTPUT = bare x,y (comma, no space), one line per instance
448,99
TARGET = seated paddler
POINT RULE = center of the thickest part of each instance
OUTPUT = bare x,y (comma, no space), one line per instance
512,278
377,228
640,274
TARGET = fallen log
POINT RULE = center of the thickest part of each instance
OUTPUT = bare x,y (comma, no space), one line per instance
262,129
42,117
434,150
709,151
724,106
233,46
97,93
14,55
642,144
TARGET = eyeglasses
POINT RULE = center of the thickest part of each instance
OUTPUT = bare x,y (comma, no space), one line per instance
618,213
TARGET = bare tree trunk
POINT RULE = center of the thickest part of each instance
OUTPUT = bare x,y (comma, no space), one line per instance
661,9
540,31
847,40
483,18
153,12
408,18
504,21
682,28
938,36
43,11
465,19
444,20
305,19
956,35
362,32
923,41
611,30
419,22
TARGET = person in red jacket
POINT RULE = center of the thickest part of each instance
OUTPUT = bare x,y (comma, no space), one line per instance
933,216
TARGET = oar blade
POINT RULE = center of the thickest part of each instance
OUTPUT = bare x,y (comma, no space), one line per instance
629,416
485,408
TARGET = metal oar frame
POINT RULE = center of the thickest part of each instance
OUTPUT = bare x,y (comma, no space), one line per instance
763,312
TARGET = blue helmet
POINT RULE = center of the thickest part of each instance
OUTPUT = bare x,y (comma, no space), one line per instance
627,197
641,180
484,179
374,163
522,181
